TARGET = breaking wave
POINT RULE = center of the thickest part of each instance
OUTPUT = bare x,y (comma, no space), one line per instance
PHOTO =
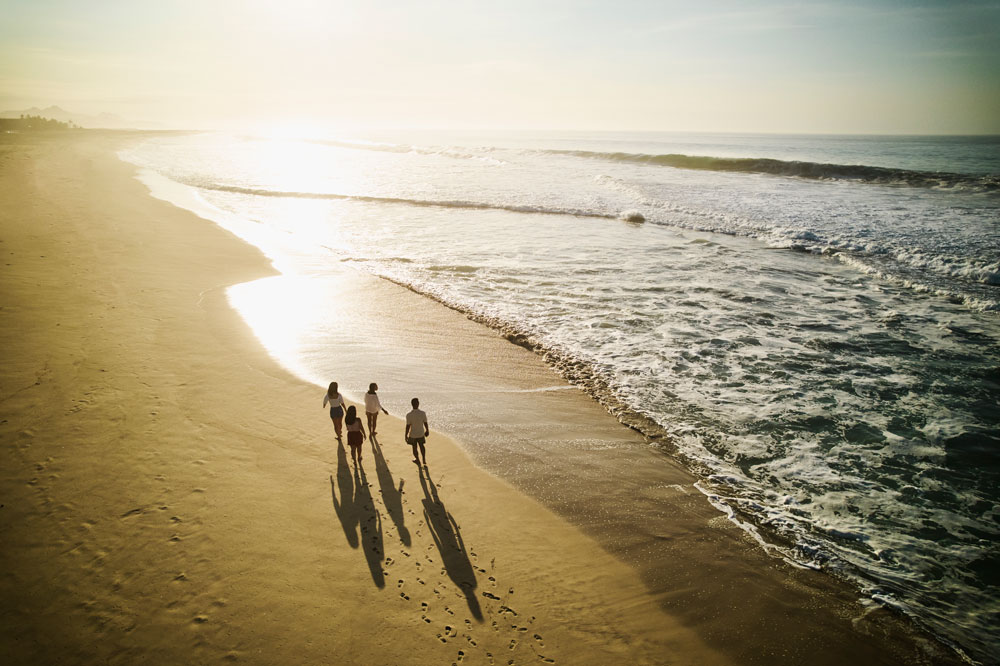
630,216
809,170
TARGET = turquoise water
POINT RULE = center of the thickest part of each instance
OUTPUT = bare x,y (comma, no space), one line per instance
812,320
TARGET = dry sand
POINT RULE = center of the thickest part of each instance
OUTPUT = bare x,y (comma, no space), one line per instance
170,494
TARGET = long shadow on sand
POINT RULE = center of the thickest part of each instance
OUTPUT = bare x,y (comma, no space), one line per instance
356,509
392,496
448,540
345,508
371,526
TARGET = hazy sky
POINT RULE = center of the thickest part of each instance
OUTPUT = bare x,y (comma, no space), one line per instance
930,66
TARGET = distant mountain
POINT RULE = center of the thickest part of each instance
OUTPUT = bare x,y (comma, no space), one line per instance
102,120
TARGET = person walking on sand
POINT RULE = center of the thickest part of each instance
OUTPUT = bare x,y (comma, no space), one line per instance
336,402
355,433
372,405
417,431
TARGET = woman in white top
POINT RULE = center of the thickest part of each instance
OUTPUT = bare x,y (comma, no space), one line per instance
336,407
372,405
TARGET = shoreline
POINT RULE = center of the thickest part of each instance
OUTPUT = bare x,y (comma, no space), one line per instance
573,584
842,594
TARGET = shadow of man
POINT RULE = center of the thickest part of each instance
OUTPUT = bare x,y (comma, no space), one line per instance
345,508
371,526
392,497
448,539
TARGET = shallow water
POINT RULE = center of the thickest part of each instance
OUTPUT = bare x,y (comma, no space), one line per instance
823,349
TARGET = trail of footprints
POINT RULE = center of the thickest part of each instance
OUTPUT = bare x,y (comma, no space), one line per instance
504,636
498,636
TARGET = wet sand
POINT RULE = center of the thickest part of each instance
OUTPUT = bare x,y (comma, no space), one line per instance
171,494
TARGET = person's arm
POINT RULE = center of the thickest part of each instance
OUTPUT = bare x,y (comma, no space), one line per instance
326,399
427,428
406,431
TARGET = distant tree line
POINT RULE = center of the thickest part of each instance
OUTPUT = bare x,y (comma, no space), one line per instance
33,123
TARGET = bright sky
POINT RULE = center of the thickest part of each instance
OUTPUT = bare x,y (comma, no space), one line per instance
873,66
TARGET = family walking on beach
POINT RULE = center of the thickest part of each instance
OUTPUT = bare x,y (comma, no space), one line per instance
415,433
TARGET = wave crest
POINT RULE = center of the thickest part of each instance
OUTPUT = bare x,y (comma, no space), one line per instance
473,205
808,170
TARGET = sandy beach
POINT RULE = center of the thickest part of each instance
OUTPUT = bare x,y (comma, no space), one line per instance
171,494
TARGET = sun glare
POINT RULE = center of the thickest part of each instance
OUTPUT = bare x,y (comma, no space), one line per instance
292,130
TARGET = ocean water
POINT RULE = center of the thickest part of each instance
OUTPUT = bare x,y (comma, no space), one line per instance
812,322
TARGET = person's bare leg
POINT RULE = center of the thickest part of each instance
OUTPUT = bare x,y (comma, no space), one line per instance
423,452
416,457
371,424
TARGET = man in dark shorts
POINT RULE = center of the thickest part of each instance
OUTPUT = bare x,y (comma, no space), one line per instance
417,431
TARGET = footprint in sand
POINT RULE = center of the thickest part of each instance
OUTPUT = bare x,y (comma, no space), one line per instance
404,595
513,644
461,655
399,583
